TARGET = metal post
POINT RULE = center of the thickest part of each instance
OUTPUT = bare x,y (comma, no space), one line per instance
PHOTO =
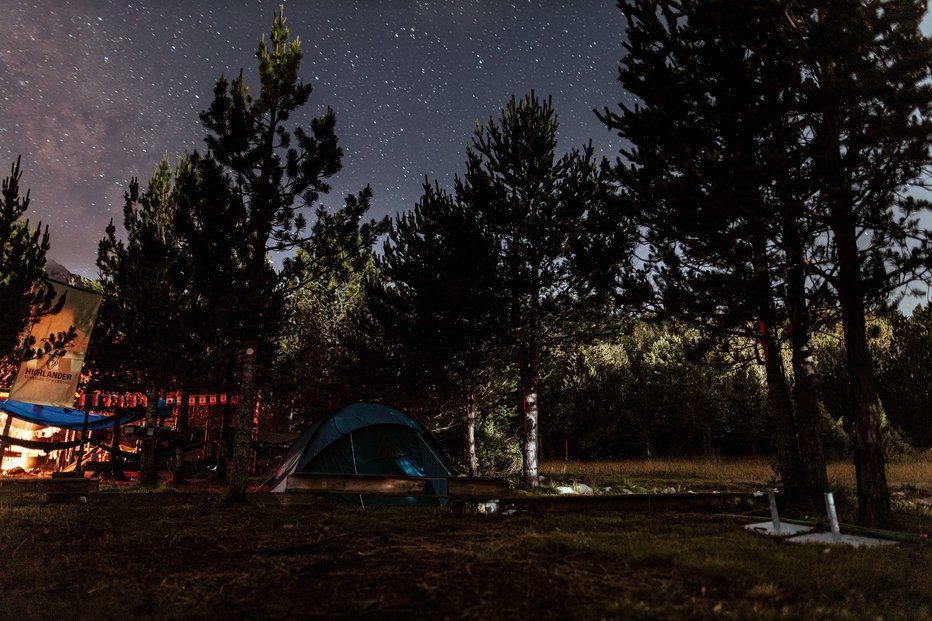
79,466
6,432
774,515
832,516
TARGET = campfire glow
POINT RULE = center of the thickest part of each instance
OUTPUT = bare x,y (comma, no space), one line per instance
28,459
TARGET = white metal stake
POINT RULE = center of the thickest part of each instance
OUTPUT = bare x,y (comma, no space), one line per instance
832,516
774,515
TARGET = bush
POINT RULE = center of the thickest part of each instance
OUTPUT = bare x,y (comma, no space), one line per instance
498,449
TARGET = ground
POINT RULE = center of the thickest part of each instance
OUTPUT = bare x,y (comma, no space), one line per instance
209,560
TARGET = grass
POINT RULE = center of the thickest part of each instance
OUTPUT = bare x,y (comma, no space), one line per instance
737,473
209,560
910,482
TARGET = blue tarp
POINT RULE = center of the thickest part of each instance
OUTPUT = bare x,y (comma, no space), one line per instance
66,418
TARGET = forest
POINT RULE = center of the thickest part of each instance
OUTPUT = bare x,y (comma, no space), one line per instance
731,283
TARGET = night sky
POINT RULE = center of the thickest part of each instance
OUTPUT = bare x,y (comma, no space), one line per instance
95,92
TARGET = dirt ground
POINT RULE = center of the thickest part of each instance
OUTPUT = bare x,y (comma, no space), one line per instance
170,554
210,560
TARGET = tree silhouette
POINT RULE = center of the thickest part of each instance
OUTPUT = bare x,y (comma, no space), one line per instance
151,303
772,144
440,303
542,212
24,294
274,173
719,183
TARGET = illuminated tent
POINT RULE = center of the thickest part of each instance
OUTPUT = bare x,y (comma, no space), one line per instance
368,438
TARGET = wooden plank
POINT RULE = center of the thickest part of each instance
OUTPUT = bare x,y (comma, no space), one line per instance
476,488
166,499
388,485
628,502
458,488
44,485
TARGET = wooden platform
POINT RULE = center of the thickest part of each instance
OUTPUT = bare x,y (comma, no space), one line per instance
459,489
306,488
629,502
44,485
173,499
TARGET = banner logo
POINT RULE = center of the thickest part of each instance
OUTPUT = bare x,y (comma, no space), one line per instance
52,380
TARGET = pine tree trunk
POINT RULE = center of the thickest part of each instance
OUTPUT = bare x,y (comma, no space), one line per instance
531,436
873,493
242,435
531,381
178,476
148,477
778,389
813,476
781,408
812,470
869,464
471,435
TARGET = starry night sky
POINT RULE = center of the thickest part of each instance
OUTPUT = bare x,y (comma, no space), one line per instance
95,92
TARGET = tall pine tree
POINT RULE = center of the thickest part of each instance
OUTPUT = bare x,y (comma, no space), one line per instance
867,103
540,209
819,117
439,300
24,294
274,173
150,302
719,184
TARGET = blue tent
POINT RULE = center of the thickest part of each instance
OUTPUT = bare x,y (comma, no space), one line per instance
368,438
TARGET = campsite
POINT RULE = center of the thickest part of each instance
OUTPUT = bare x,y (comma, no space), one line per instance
432,352
654,539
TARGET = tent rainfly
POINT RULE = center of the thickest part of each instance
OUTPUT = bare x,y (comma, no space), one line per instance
368,438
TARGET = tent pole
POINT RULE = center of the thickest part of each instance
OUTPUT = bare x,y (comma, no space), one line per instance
439,461
355,470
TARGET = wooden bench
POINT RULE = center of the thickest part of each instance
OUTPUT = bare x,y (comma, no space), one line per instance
459,489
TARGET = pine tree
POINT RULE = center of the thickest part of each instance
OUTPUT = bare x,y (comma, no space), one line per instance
439,301
720,188
150,299
779,137
24,294
273,173
867,101
542,211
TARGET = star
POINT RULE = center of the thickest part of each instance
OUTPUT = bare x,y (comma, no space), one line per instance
96,92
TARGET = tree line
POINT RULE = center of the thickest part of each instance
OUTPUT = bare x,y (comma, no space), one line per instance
675,300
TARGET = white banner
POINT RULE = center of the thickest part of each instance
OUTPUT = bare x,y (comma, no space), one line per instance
52,380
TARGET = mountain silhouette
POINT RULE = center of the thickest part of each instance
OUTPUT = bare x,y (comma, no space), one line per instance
58,272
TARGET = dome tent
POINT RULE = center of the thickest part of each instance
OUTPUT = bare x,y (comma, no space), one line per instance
368,438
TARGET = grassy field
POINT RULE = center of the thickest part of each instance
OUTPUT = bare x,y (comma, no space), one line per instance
209,560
